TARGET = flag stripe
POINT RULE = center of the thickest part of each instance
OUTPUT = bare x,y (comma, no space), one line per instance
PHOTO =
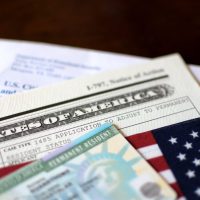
176,187
168,176
182,198
9,169
150,152
159,163
142,139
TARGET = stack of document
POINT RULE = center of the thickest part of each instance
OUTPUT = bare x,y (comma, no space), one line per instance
85,124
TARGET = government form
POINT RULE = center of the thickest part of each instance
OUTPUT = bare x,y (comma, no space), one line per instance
152,95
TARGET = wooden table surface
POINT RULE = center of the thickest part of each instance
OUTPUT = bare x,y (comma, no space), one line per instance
144,28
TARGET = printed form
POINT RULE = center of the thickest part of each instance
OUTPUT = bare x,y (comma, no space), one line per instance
136,99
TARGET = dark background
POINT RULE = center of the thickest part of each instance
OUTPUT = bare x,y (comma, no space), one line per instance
144,28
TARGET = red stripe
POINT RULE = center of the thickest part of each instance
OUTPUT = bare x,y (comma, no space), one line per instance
159,163
141,139
176,187
8,170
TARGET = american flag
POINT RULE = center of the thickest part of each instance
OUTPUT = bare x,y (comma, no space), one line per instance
174,152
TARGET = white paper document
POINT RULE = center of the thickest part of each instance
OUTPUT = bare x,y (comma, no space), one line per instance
136,99
27,65
196,71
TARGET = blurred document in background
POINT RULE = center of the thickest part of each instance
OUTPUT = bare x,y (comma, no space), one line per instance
27,65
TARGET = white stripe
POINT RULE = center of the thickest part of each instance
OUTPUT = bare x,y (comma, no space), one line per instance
168,176
182,198
151,151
